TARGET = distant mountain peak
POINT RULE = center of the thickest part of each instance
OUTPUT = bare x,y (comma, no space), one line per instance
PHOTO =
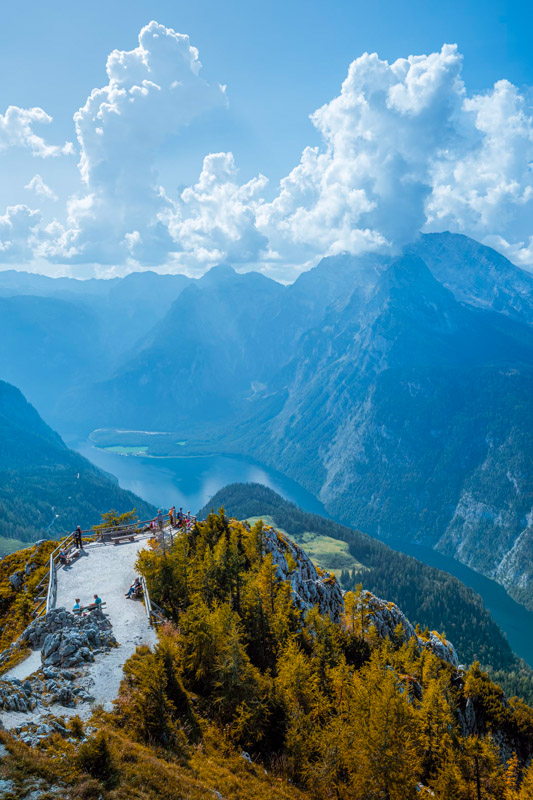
217,274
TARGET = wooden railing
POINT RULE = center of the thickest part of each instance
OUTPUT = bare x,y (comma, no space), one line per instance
45,602
52,587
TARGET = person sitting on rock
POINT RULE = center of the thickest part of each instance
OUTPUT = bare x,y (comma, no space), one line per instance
97,601
135,588
76,608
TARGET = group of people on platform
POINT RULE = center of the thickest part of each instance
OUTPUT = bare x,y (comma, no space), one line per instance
179,520
176,520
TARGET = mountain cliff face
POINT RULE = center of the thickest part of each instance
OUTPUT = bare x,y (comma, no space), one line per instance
313,587
408,414
44,486
478,275
196,365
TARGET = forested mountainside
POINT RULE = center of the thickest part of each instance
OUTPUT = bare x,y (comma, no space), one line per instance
44,486
396,390
265,682
429,597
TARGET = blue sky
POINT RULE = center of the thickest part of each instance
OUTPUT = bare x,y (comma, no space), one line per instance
280,62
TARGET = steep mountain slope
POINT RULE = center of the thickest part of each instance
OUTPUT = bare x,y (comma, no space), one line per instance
60,335
47,346
477,274
199,363
401,410
44,486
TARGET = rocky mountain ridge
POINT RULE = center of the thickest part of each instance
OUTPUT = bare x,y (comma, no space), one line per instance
314,587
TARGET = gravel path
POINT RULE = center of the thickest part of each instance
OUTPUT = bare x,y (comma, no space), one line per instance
108,570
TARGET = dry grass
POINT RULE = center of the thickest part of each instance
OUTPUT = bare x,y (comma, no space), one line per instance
212,770
16,605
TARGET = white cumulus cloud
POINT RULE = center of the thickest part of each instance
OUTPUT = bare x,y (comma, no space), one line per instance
404,148
40,188
215,220
484,185
17,229
16,130
367,186
152,93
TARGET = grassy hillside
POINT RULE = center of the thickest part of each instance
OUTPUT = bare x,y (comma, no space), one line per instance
16,604
246,697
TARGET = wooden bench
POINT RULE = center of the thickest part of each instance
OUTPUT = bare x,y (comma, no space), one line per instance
90,607
123,537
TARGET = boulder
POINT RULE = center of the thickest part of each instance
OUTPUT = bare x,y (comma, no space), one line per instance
16,579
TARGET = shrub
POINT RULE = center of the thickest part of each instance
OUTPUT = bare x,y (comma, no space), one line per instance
95,758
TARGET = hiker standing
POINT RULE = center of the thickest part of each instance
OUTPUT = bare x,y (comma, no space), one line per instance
171,516
160,519
77,538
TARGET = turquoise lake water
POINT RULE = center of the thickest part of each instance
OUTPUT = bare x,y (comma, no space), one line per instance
191,482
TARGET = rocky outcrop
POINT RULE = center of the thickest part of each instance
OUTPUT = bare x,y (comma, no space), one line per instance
16,579
68,640
386,617
42,689
310,586
65,640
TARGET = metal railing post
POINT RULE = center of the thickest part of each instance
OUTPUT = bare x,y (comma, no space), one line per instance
51,594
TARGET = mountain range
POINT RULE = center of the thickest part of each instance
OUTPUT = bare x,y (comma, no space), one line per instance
396,389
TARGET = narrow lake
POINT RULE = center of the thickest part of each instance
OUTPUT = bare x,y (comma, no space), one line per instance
191,482
512,617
